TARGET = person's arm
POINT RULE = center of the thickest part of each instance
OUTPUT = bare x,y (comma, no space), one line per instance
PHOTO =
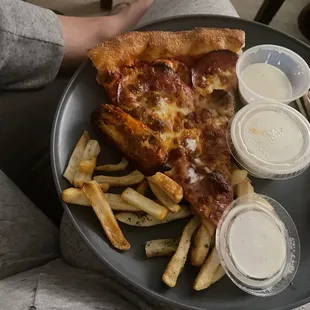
82,33
35,43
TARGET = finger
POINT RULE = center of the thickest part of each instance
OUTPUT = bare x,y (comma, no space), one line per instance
130,15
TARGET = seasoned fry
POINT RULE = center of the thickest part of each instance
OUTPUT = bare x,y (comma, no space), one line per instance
164,198
145,204
146,220
244,188
238,176
178,260
219,274
122,165
76,157
132,178
207,271
87,164
76,196
161,247
104,213
201,246
172,189
142,187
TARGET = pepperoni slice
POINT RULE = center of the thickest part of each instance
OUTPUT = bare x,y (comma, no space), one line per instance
155,95
215,70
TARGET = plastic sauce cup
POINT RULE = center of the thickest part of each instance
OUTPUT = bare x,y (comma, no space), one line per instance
270,141
284,271
291,64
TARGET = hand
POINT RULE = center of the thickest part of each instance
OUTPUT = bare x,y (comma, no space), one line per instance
83,33
126,16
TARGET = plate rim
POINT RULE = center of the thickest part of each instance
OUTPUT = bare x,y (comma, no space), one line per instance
141,289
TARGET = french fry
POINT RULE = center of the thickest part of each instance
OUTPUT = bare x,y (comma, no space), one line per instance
201,246
238,176
178,260
76,196
144,204
219,274
117,203
132,178
244,188
122,165
76,157
212,243
164,198
146,220
105,215
104,187
87,164
210,227
172,189
142,187
161,247
207,271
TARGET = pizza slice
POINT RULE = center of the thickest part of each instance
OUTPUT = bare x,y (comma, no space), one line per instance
172,95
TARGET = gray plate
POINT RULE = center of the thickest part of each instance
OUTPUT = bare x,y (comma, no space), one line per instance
82,96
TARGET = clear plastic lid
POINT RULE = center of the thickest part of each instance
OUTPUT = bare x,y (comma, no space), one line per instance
270,140
285,61
258,245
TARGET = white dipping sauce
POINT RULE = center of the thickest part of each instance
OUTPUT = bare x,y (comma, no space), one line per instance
267,81
256,242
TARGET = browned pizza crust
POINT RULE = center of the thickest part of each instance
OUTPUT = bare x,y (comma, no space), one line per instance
123,50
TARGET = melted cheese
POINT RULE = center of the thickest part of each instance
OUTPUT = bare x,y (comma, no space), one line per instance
169,110
191,144
193,176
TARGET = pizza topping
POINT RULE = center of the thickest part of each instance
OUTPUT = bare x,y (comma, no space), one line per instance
215,70
131,137
175,154
177,67
191,144
154,89
207,190
219,103
193,175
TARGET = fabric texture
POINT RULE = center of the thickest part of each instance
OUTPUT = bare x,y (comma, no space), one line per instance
168,8
63,287
18,292
25,131
31,45
27,237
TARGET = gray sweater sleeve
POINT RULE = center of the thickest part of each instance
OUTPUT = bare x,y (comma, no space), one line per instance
31,45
